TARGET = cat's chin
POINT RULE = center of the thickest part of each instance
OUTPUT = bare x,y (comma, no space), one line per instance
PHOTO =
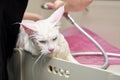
47,53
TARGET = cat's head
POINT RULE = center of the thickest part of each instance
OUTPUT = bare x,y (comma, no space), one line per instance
45,33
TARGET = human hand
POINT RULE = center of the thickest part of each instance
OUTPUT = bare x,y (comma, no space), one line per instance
70,5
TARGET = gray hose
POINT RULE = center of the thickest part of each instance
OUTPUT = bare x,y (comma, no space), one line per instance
105,65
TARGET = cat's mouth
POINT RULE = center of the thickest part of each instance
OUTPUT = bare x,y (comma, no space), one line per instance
50,52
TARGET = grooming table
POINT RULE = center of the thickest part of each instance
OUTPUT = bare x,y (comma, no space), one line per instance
20,67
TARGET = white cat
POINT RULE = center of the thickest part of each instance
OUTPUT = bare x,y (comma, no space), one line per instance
43,37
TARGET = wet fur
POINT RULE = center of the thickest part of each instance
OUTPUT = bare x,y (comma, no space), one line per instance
41,36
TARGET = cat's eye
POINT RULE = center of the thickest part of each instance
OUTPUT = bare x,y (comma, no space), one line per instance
54,38
43,42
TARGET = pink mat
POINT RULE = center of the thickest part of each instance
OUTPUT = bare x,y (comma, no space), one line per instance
80,43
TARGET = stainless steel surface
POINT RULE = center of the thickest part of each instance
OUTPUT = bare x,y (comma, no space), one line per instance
47,68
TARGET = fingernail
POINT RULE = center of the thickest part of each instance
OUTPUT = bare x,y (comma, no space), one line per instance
46,6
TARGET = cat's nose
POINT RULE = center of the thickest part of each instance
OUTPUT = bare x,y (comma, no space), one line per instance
51,49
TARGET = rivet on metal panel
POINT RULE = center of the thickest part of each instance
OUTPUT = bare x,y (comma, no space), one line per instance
67,73
59,71
50,68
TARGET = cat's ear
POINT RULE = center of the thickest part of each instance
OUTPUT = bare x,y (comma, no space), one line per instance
27,26
57,15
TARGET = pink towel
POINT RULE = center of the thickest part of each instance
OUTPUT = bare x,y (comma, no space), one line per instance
78,42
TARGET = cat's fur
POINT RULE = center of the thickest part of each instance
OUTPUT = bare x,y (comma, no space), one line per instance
43,37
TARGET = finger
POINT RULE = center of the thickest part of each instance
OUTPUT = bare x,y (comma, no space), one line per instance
54,6
58,3
48,5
